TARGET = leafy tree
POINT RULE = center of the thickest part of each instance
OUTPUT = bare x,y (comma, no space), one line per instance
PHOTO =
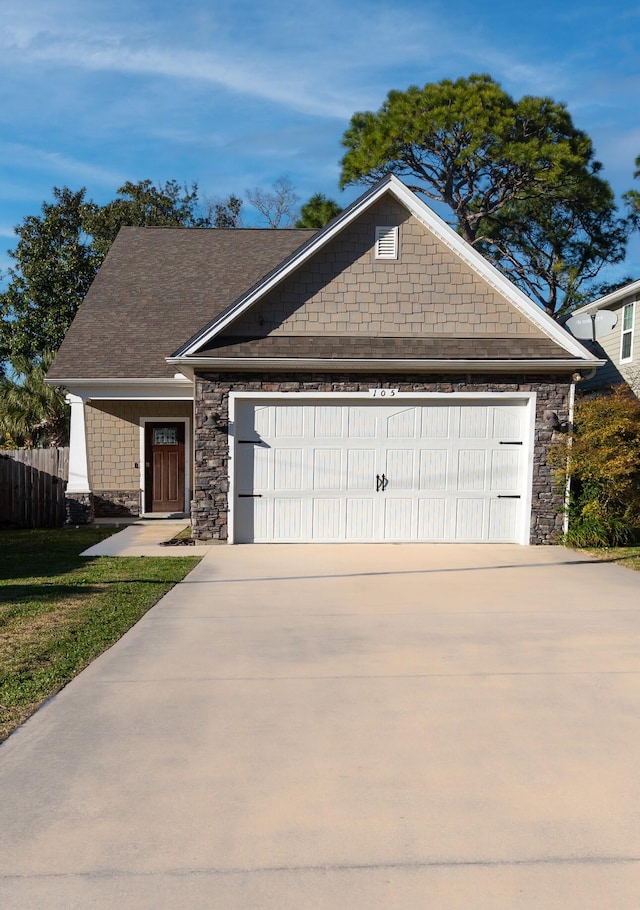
602,459
55,264
499,165
225,213
59,252
317,212
143,204
32,413
552,249
278,207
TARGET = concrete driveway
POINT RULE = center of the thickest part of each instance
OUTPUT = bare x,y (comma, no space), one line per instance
338,727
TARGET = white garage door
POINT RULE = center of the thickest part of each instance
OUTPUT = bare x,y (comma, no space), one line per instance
365,471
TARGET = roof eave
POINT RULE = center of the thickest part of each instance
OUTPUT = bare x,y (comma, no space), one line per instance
387,365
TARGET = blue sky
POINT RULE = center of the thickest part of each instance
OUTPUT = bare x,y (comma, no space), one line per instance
235,94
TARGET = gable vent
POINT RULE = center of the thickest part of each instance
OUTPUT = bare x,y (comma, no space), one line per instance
386,242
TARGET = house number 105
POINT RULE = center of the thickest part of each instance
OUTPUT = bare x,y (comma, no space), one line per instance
383,393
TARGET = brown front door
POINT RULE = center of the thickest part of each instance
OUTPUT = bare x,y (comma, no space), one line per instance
164,467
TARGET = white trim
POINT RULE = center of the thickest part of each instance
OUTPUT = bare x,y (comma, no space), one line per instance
527,398
609,299
631,331
187,458
388,365
128,389
436,225
78,461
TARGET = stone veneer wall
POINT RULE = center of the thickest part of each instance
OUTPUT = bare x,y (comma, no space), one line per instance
209,506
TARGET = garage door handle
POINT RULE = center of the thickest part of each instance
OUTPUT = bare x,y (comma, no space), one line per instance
381,482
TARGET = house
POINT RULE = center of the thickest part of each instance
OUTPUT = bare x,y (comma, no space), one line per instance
375,380
616,340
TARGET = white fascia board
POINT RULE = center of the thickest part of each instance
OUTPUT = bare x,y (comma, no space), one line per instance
434,223
629,290
252,364
128,389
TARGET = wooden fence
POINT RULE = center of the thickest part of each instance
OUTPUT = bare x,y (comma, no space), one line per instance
32,484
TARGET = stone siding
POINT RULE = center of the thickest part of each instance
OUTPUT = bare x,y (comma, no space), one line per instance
209,507
345,290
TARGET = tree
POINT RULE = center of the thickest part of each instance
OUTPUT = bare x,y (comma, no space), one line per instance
317,212
498,164
278,207
632,197
225,213
143,204
551,249
59,252
55,266
32,413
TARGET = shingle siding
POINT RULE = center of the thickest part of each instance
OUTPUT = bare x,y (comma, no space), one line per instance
345,290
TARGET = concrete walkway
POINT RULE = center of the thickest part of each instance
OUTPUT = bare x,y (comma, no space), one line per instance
145,538
337,727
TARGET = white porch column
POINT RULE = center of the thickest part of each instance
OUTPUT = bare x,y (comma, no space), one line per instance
78,462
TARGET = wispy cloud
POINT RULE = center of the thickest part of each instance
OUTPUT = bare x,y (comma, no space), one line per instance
57,163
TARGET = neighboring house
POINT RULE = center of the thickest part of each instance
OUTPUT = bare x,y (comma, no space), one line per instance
375,380
619,346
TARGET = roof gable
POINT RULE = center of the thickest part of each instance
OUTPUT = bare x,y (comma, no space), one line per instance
483,293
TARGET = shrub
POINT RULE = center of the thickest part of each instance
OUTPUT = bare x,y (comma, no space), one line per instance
602,460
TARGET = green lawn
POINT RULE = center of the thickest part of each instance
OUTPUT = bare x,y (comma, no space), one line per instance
623,556
59,611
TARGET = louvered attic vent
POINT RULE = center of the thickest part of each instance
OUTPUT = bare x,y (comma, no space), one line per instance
386,242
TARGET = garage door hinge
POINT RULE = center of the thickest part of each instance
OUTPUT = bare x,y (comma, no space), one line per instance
249,495
510,443
508,496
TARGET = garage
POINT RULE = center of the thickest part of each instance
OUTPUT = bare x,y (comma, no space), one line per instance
381,467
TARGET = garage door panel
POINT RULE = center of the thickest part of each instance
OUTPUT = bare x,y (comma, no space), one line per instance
289,422
435,421
287,518
472,469
454,471
402,425
399,523
503,519
361,469
432,519
506,424
327,516
505,470
433,469
287,469
362,423
360,519
470,519
474,423
327,469
400,469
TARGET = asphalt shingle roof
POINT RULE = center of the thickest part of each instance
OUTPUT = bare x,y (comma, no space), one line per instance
156,289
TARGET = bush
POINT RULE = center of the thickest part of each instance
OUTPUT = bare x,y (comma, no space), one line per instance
602,460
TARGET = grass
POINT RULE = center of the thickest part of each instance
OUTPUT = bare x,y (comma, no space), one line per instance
623,556
59,611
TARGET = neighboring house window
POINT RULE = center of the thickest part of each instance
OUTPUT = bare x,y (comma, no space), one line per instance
626,346
386,242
